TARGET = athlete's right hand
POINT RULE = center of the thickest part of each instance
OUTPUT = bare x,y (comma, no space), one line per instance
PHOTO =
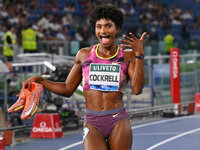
27,83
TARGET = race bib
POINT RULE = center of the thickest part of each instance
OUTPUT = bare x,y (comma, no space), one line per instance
105,77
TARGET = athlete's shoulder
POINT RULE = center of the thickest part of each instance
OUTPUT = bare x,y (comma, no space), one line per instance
86,49
83,53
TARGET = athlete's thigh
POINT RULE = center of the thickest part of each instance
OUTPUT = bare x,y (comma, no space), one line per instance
93,140
121,136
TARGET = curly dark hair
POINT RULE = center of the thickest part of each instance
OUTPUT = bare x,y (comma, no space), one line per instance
107,12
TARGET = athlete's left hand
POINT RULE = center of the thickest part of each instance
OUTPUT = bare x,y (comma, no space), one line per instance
134,43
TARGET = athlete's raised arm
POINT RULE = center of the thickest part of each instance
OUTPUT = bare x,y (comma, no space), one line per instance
136,61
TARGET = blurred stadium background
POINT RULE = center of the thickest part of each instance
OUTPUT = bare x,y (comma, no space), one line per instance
63,28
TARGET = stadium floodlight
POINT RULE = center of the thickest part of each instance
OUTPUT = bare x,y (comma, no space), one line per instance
49,65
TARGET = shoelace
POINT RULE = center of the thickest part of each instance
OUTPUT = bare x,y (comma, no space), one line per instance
20,95
27,98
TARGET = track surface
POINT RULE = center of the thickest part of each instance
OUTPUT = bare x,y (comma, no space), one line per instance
169,134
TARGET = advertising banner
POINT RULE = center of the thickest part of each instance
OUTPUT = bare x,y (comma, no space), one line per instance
175,75
2,147
46,126
197,102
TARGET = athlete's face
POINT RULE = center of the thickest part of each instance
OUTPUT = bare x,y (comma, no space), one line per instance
106,31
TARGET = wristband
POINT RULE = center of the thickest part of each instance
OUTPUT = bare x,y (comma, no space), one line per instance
141,56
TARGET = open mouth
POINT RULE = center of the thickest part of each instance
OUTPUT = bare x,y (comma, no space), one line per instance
105,38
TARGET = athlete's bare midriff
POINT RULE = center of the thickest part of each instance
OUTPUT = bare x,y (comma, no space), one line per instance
101,101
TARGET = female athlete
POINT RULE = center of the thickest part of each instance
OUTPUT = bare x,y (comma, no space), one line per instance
104,70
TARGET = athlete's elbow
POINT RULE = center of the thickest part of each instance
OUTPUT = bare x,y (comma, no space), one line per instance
137,88
68,92
137,91
67,95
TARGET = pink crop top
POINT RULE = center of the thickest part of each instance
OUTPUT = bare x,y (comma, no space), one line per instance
105,74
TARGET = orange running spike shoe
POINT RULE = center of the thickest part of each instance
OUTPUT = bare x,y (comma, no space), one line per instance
32,100
19,104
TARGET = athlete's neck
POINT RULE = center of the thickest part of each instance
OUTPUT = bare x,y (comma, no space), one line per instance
107,51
